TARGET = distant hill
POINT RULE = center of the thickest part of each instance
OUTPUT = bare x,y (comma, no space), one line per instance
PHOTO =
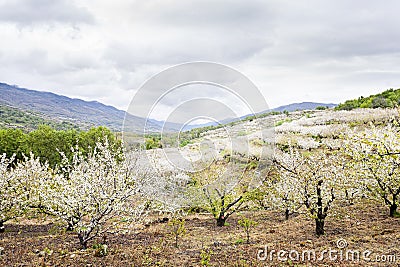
387,99
24,108
303,106
76,111
289,108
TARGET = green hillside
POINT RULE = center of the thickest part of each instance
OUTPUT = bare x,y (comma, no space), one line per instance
11,117
387,99
77,111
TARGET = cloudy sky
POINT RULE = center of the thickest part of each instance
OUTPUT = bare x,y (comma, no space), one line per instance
325,51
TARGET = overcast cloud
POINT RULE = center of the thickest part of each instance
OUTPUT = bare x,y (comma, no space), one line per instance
294,51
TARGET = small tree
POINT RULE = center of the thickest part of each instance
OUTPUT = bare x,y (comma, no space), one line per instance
205,256
248,225
177,229
221,189
376,156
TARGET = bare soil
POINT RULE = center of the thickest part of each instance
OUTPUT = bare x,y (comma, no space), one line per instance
364,226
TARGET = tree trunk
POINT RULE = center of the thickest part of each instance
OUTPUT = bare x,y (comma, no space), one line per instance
319,226
2,228
83,241
287,212
321,214
348,198
393,209
70,227
221,220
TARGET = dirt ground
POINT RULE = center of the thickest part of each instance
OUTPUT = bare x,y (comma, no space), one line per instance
363,229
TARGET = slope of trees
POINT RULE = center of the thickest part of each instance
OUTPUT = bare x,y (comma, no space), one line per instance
45,142
11,117
387,99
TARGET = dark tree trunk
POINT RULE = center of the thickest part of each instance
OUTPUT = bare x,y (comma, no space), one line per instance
321,211
176,241
248,236
70,227
287,213
83,241
393,210
2,228
348,197
221,220
319,226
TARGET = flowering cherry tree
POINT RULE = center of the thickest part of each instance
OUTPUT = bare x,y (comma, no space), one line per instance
16,181
12,193
284,188
376,155
311,179
97,189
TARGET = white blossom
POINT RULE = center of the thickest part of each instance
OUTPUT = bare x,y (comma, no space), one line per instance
89,192
376,157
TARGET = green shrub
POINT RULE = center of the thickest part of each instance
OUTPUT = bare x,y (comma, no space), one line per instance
248,225
100,250
177,229
205,257
239,241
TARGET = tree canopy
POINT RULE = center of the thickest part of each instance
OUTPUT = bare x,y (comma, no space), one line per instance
387,99
45,141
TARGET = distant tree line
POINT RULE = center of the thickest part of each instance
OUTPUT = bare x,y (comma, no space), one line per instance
45,141
387,99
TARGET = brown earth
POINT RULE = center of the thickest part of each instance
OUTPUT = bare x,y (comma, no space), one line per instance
365,226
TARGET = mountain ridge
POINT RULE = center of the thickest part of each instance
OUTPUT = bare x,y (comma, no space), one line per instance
93,113
303,106
75,110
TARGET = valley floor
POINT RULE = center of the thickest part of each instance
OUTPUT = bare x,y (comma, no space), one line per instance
367,228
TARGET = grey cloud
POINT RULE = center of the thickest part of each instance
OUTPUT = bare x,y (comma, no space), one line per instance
178,32
293,50
29,12
35,60
216,14
184,47
202,73
323,30
81,61
372,77
203,107
284,33
196,99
